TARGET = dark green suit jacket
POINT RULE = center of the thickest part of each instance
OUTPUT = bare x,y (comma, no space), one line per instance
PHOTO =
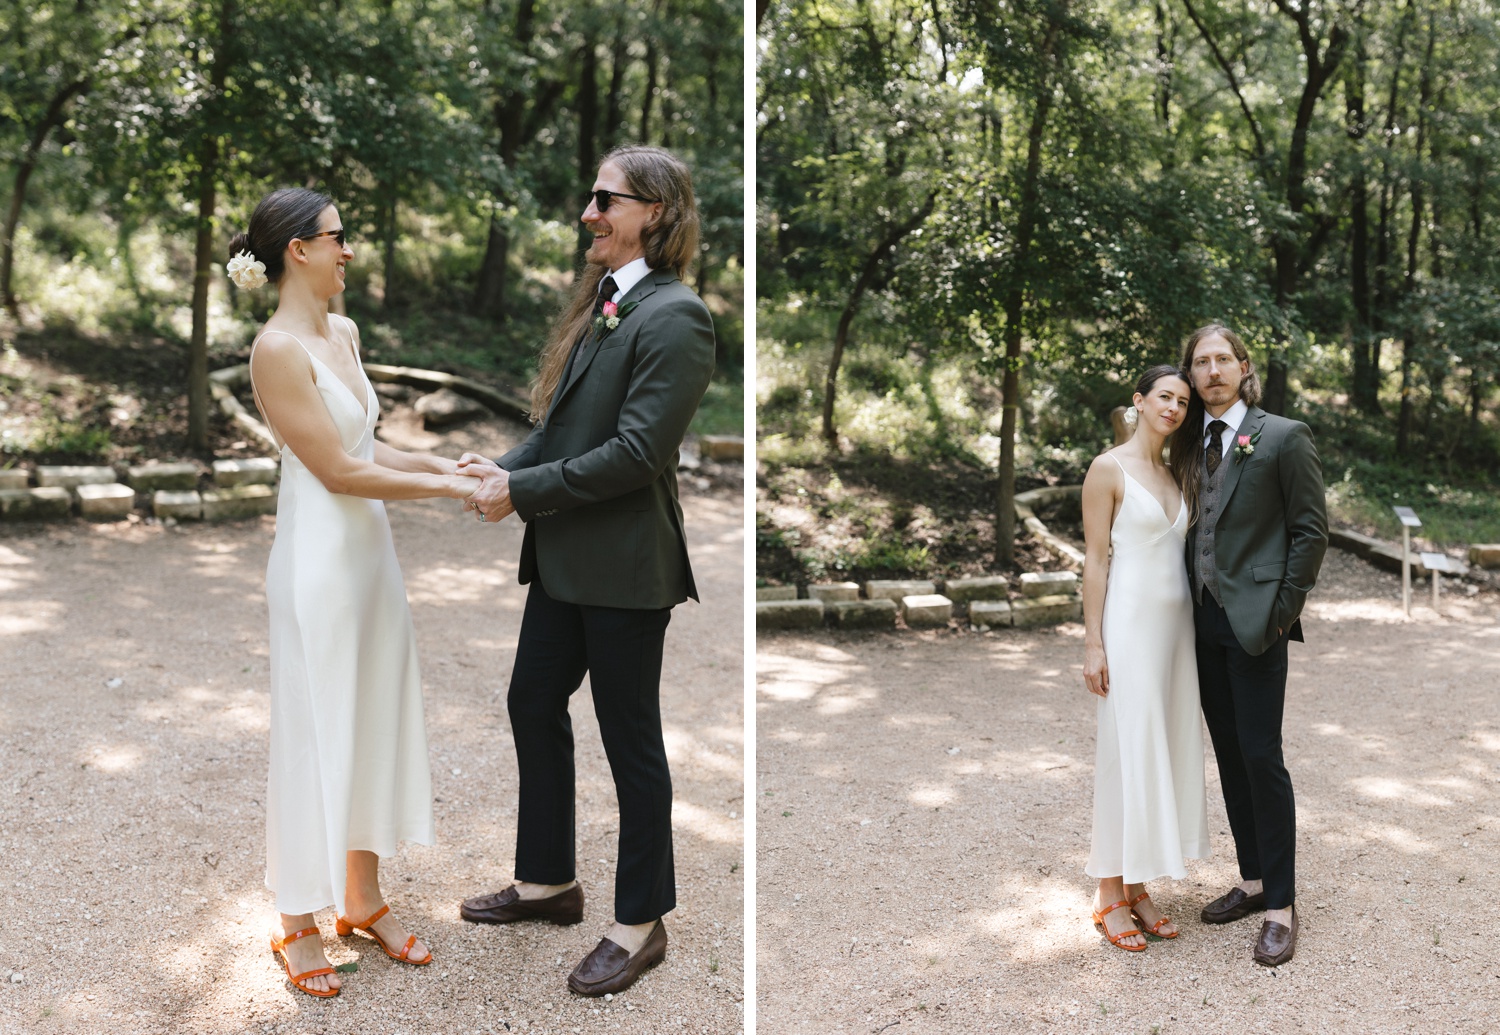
596,481
1272,530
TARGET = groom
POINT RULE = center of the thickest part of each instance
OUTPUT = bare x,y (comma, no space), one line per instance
605,556
1253,555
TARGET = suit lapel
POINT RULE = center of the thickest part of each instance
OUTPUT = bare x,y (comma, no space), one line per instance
1254,418
643,289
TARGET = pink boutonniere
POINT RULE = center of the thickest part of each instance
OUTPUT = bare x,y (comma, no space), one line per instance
1244,445
610,317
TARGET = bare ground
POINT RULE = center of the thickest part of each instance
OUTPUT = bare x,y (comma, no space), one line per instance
133,725
923,812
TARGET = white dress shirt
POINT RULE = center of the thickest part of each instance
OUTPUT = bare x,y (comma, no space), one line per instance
628,275
1233,418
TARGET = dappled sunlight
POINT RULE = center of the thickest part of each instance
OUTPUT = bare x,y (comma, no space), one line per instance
116,759
711,826
798,679
1040,920
1399,838
1391,789
40,616
1377,611
931,796
839,704
1488,740
443,585
683,745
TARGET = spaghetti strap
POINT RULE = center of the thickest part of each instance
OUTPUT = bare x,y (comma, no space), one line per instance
255,392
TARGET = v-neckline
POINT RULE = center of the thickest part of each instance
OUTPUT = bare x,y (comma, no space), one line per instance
364,407
1181,503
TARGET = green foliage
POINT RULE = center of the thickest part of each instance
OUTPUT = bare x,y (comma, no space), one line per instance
456,139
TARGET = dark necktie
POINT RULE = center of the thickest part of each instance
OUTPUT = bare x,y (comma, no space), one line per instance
1215,452
607,289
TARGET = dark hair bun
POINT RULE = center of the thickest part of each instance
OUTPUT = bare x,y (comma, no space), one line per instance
280,216
240,243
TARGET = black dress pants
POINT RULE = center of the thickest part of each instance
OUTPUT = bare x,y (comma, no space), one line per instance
1243,698
621,650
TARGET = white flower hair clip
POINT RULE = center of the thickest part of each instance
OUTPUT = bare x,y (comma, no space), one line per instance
247,271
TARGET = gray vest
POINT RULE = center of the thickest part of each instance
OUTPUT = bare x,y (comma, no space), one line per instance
1210,498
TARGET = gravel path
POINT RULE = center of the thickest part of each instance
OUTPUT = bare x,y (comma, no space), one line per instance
923,812
133,724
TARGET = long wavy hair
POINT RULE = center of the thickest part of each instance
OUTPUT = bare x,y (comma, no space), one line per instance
670,243
1185,448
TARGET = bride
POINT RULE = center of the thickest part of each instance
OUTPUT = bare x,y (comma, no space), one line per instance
1149,809
349,775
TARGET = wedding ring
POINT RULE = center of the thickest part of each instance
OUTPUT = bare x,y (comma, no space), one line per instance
481,514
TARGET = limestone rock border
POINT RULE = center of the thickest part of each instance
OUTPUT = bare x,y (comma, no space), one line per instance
1044,598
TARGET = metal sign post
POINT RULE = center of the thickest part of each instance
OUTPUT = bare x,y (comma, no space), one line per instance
1409,520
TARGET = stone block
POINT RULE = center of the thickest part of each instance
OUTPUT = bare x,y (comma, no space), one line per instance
1485,555
830,592
788,614
1036,584
242,501
987,587
990,614
863,614
72,477
41,504
110,502
722,447
446,407
1045,611
173,504
163,477
926,610
15,478
765,593
894,589
258,470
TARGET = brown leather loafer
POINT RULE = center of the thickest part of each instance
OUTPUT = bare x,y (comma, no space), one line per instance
1276,943
506,907
1232,906
609,969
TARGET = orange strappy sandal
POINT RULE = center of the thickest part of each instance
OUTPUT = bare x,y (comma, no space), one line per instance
1117,939
345,929
1156,927
279,948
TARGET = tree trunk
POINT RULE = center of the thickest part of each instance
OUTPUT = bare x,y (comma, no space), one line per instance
650,95
29,157
1413,242
867,276
588,132
208,176
1015,301
1365,389
619,60
510,111
388,257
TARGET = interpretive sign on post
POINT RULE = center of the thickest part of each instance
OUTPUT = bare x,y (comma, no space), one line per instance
1409,520
1436,562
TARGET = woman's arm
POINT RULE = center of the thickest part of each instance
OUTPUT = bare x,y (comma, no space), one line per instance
1102,488
284,381
414,463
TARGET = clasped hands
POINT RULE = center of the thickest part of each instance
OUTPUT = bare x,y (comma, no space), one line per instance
492,499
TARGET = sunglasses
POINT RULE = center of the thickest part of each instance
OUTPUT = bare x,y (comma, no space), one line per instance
603,198
337,235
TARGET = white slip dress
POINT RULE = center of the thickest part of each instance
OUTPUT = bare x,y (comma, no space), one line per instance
349,767
1149,808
